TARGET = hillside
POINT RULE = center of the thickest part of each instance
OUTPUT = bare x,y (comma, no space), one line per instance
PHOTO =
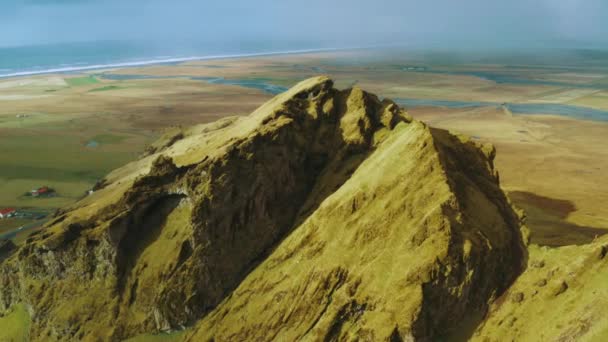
562,296
326,214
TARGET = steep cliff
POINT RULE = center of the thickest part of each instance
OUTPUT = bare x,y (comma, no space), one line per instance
325,214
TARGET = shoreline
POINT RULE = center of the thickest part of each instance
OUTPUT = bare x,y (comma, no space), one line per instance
169,61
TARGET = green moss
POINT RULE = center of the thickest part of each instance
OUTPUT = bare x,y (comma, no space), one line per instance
15,326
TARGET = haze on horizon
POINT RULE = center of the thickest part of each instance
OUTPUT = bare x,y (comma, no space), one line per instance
468,23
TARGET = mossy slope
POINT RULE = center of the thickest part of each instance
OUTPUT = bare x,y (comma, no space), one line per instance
325,214
562,296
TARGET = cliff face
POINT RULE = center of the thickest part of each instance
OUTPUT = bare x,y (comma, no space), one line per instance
325,214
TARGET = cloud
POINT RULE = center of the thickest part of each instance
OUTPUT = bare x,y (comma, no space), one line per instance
578,19
434,22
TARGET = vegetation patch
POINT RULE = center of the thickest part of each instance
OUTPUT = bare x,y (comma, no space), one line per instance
164,337
106,88
15,326
82,81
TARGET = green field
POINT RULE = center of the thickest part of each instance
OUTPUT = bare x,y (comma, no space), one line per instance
70,139
81,81
31,159
109,138
51,150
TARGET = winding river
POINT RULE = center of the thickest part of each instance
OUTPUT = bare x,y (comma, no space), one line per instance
578,112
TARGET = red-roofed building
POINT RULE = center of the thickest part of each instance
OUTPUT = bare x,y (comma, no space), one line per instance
7,212
45,190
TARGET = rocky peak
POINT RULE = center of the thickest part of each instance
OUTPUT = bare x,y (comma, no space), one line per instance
325,213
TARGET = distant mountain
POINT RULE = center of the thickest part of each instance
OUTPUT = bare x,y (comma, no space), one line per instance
326,214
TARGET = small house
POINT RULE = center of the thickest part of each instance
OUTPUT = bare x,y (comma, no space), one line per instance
7,212
43,191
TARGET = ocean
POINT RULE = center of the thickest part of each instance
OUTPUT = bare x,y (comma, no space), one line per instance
40,59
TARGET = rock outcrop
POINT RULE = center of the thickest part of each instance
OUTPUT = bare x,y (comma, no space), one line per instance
562,296
325,214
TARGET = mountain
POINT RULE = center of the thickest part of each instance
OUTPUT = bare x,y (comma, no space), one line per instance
326,214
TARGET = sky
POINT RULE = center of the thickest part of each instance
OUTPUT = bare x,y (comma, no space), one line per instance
478,23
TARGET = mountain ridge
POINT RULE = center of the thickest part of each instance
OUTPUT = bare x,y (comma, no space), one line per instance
403,229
